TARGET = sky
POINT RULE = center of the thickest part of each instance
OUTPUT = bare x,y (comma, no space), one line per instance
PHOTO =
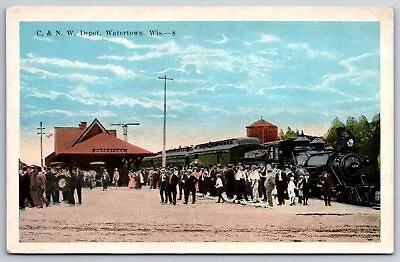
226,75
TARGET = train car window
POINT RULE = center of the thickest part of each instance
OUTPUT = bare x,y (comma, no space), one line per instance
301,159
318,160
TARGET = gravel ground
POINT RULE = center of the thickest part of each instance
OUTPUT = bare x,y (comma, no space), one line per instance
120,215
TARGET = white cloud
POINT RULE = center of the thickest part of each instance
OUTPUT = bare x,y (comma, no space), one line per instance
202,58
162,115
164,46
271,51
310,52
74,76
45,39
49,112
182,70
101,113
34,111
118,40
50,94
265,38
186,37
116,69
135,57
190,81
218,42
353,73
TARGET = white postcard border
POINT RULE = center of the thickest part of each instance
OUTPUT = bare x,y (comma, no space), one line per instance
206,13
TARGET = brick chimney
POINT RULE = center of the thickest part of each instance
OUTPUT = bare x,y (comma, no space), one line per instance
83,125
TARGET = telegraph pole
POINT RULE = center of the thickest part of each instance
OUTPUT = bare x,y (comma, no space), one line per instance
125,129
164,156
40,132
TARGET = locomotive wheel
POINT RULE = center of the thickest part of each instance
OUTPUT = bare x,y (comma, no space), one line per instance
62,183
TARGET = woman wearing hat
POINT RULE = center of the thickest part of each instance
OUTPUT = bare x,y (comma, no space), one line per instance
131,176
254,179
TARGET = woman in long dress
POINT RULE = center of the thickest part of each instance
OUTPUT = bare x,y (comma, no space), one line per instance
131,184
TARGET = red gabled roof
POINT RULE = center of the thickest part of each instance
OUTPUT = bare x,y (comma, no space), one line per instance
104,142
261,122
93,129
94,139
64,137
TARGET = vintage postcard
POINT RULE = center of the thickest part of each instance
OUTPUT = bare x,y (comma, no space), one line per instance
173,129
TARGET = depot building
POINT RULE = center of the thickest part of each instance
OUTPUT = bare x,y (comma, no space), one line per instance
84,145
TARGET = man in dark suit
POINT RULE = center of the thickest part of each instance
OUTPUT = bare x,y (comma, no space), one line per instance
173,182
182,178
191,187
229,175
163,186
280,182
79,185
72,185
327,188
51,191
25,188
261,185
306,189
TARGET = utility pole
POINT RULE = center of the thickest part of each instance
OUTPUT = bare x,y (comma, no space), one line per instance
125,128
40,132
164,156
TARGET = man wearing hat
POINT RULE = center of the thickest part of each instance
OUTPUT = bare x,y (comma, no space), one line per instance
281,186
240,182
220,189
299,186
230,181
261,185
104,179
172,183
163,185
116,177
25,188
306,188
327,188
182,178
269,186
191,187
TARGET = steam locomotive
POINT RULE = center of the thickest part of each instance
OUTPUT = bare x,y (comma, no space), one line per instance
351,180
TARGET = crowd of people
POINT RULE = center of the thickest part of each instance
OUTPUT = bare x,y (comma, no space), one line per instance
38,187
240,182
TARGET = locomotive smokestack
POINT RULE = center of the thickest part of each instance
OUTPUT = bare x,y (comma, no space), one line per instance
346,141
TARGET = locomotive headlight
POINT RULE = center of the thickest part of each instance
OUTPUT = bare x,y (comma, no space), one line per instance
350,142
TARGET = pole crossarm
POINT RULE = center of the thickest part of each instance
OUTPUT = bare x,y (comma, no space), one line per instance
125,128
40,132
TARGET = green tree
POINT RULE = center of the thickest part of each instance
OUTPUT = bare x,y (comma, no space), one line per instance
363,137
375,142
352,125
331,137
290,134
